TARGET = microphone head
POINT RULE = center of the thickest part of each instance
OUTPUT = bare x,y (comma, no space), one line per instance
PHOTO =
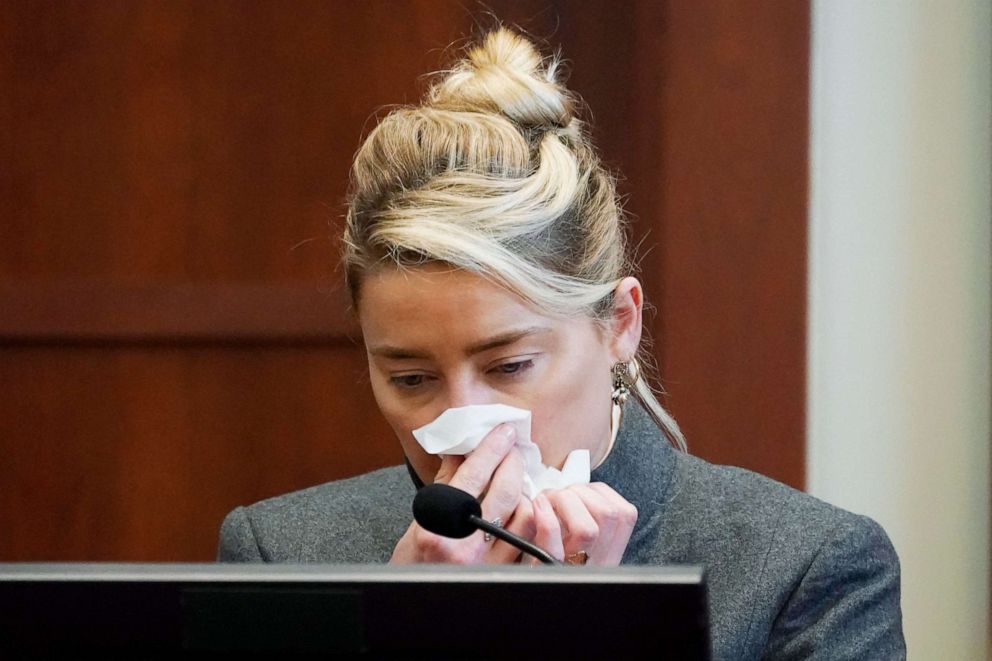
445,510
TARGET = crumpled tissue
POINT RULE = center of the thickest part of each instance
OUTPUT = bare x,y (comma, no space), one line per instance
458,431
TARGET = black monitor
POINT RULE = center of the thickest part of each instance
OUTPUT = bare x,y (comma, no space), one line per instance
424,611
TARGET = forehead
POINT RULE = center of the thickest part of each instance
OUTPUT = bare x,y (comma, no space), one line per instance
437,304
435,291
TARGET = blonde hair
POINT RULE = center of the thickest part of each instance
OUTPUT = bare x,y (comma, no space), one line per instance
494,174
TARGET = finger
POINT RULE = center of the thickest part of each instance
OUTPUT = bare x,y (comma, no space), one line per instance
521,524
627,511
406,552
419,545
580,529
614,516
449,466
502,500
607,490
603,512
503,495
475,472
547,528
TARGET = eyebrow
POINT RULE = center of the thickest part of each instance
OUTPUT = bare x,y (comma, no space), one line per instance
501,340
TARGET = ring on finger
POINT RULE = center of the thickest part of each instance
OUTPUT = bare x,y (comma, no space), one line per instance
577,558
498,522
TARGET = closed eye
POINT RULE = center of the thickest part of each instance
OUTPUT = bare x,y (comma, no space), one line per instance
408,381
514,368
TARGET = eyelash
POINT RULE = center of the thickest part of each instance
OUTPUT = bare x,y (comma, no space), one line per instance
401,382
519,367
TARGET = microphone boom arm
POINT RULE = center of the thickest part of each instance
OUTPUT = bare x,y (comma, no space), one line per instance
513,540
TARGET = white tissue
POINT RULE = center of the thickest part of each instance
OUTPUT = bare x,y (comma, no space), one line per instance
459,431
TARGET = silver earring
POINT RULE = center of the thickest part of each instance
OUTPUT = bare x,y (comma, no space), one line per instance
625,375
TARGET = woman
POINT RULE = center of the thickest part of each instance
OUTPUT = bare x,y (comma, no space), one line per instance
484,252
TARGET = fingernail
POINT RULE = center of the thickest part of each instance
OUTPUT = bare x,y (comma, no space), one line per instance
507,431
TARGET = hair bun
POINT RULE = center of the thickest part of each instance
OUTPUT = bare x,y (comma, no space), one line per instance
506,74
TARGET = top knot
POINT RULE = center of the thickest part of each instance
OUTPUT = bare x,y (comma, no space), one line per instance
505,74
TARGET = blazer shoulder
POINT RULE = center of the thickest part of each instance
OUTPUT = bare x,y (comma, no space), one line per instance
748,502
847,602
791,573
338,515
768,519
341,495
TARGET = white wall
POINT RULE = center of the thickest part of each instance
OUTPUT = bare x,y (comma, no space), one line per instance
899,326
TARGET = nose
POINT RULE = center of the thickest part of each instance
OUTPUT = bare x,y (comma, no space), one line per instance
466,391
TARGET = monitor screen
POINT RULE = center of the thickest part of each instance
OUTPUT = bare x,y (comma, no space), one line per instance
435,611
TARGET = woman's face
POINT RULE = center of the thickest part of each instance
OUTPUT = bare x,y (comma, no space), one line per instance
439,338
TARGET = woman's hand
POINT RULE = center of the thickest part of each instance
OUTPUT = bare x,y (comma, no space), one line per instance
590,518
494,471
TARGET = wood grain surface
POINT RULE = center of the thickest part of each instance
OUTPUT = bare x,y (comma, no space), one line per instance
173,336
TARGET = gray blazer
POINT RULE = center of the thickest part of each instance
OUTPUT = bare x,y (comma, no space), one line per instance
789,576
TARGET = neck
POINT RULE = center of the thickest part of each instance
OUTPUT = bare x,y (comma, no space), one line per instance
616,415
642,462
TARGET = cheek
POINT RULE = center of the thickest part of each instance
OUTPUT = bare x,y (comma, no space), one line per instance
403,414
573,411
403,421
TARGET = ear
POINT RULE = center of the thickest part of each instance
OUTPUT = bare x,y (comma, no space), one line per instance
628,301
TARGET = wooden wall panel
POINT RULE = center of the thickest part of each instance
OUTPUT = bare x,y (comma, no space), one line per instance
702,106
73,312
173,336
137,453
728,178
184,140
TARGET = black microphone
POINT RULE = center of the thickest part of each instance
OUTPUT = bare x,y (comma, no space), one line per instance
450,512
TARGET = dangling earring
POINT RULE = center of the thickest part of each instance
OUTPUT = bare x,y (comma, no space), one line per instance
625,375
